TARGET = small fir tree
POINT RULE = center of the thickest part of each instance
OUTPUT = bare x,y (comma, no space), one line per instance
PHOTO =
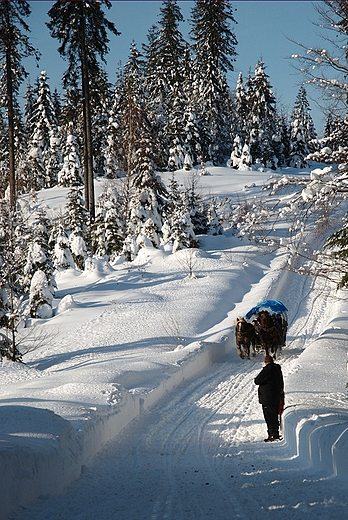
71,171
302,131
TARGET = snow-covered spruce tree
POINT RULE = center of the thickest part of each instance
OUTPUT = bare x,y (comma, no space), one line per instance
81,28
214,53
76,223
263,119
236,154
241,119
337,244
53,160
302,131
57,103
59,246
40,296
14,47
32,171
108,230
282,139
164,58
177,228
13,247
214,221
149,196
333,147
196,206
101,102
115,154
190,119
43,125
70,173
130,118
242,123
176,156
39,270
38,255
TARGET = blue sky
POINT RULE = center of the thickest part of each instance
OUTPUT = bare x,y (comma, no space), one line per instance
262,30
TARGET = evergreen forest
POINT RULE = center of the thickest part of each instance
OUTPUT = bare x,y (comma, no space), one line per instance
171,108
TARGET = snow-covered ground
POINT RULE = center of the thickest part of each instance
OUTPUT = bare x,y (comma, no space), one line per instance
137,406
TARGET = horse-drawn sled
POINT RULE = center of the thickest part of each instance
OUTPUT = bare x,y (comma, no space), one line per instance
263,327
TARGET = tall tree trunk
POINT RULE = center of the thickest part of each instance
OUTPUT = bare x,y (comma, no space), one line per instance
87,128
10,115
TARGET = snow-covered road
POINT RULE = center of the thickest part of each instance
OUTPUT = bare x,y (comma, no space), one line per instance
199,452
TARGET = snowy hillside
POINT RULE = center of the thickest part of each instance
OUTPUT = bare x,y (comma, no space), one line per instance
137,399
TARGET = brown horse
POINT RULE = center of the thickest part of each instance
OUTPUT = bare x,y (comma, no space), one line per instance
269,333
245,337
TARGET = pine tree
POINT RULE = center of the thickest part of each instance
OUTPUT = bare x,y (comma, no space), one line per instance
76,223
333,147
13,247
59,245
114,152
196,206
263,114
164,55
282,140
145,210
214,222
44,126
214,52
14,46
338,243
81,27
38,256
132,122
39,279
71,171
242,111
177,228
109,227
40,296
100,109
302,131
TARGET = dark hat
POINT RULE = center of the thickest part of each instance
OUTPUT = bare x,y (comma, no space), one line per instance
268,359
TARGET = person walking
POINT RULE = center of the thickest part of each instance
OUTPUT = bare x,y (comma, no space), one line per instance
271,390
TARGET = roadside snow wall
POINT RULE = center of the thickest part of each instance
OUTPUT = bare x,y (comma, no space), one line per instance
316,420
42,453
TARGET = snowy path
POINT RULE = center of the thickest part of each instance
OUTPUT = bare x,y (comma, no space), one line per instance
199,453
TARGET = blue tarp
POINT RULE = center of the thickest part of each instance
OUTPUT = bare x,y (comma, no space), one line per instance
270,305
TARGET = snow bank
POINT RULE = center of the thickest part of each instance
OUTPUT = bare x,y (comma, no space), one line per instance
41,453
316,427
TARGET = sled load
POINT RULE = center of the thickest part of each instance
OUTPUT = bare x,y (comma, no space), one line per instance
263,327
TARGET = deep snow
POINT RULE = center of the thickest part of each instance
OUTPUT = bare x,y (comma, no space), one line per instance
138,392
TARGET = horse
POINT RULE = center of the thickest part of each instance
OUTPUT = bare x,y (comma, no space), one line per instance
245,337
269,333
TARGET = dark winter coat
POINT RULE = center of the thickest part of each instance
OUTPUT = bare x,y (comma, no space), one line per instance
271,384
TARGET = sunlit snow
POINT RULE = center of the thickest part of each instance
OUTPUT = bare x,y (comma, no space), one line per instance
134,405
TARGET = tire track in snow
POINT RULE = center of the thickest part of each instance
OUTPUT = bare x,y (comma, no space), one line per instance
204,440
177,460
